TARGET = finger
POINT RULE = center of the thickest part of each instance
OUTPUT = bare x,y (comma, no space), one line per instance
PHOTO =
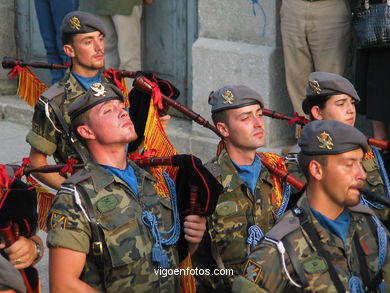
193,233
191,239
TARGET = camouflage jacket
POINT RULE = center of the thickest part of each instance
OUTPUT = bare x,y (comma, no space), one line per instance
264,266
237,209
128,242
46,134
374,180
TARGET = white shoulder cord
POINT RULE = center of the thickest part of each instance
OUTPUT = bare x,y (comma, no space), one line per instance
77,200
48,114
282,250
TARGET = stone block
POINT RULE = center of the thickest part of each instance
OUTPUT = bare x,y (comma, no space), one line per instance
217,63
240,20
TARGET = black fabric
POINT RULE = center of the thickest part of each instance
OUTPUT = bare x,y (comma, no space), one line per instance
193,173
139,106
372,83
20,207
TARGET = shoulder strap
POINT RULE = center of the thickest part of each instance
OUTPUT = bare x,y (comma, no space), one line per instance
71,140
214,169
306,225
53,91
97,239
283,227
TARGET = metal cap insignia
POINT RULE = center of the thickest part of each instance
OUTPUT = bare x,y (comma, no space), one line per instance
228,97
75,23
315,87
326,141
99,89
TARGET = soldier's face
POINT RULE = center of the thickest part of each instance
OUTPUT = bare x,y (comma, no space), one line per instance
245,127
111,123
342,177
340,108
86,51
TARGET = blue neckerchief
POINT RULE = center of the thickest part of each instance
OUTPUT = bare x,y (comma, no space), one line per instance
127,175
338,226
249,173
86,82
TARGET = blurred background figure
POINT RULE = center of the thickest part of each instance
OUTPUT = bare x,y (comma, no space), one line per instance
122,20
50,14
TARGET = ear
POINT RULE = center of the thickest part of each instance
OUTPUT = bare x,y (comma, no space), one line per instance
317,113
315,170
86,132
223,129
69,50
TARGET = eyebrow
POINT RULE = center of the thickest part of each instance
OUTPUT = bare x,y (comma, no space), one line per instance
249,112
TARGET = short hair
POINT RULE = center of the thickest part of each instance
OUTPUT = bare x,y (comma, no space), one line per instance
310,102
67,39
304,161
82,119
219,116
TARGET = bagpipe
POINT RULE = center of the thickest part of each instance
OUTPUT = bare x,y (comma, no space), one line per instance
146,85
18,216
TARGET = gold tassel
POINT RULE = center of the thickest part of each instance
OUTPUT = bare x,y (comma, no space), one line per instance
369,155
30,87
274,159
45,200
156,139
125,92
187,281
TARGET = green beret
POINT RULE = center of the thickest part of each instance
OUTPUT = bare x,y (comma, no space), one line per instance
80,22
330,137
235,96
98,93
322,84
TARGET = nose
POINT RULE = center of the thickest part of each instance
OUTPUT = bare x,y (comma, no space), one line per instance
259,121
99,45
361,173
123,113
351,108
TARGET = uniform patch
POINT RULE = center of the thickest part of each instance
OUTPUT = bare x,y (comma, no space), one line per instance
315,265
58,220
107,203
226,208
252,271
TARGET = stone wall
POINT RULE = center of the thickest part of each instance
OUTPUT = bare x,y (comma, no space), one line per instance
7,44
235,46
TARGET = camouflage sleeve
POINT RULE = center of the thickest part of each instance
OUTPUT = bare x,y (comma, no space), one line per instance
264,268
66,224
43,136
386,266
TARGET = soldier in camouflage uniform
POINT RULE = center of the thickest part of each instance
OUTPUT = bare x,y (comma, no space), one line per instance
82,35
119,197
328,242
332,97
246,208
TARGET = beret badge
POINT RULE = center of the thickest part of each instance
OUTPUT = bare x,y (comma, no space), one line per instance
315,87
326,141
75,23
98,89
228,97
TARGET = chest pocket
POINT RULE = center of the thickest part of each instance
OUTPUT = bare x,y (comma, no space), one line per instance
124,234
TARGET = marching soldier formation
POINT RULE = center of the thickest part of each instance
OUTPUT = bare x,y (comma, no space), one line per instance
109,230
